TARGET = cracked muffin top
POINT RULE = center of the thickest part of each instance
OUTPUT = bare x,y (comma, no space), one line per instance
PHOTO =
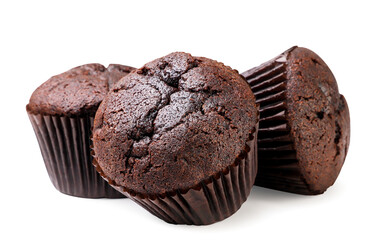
76,92
172,124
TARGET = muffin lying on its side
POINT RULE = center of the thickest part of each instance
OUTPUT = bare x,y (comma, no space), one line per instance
304,127
61,111
176,136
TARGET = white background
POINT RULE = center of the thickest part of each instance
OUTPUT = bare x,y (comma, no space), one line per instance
40,39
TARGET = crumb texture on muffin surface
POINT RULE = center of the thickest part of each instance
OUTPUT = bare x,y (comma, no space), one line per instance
76,92
172,123
319,118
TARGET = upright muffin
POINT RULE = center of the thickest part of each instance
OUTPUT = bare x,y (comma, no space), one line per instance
304,129
61,111
176,136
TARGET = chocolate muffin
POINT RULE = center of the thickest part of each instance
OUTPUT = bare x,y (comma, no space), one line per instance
304,129
176,136
62,111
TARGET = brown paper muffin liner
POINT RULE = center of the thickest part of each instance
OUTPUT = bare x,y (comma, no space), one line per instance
278,164
210,201
65,147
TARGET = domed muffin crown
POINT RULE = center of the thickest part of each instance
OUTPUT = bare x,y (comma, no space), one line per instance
173,123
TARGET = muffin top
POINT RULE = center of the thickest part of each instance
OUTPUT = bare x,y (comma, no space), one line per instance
173,123
76,92
318,116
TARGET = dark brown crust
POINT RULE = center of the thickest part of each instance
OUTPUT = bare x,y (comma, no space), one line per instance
319,119
76,92
304,127
173,123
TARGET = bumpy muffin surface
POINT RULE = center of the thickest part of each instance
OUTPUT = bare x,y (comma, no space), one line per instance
319,119
76,92
173,123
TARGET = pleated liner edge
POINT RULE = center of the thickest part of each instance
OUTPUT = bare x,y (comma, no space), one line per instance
210,201
65,146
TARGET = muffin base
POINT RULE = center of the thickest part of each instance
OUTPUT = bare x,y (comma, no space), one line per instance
65,147
210,201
